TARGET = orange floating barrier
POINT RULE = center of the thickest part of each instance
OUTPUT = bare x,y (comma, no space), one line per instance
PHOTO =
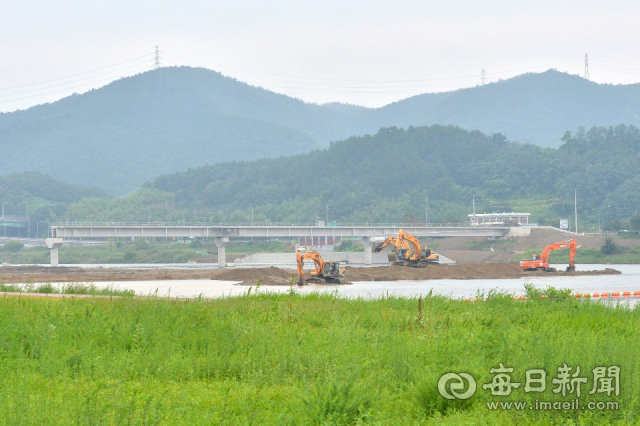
578,295
604,294
615,294
626,293
595,295
636,293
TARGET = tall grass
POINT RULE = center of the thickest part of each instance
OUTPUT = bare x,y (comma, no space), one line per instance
287,359
70,288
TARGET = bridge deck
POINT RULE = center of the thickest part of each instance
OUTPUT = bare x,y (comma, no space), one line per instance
212,231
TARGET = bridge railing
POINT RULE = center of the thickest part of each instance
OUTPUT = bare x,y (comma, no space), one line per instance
264,224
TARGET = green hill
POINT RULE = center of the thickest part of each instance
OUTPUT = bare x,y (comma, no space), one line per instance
41,197
534,108
172,119
387,177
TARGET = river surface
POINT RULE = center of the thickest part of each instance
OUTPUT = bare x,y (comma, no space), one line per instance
629,280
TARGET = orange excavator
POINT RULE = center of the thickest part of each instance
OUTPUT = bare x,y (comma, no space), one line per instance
541,261
328,272
393,254
409,252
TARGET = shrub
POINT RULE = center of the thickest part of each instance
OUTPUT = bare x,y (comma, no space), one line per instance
609,247
13,246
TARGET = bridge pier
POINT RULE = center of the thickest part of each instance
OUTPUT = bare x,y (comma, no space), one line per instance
368,254
221,243
54,244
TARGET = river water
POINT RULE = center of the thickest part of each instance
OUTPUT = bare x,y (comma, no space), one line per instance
629,280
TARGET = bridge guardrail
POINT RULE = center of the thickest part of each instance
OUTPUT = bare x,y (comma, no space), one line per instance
248,224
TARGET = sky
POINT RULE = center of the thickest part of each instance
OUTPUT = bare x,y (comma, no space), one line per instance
368,53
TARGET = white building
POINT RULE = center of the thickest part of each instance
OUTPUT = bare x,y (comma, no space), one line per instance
499,218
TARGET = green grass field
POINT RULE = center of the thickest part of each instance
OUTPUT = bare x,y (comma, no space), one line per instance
286,359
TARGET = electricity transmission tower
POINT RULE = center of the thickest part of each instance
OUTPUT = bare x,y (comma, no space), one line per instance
157,63
586,66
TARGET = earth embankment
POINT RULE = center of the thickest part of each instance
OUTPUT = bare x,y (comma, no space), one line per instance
271,275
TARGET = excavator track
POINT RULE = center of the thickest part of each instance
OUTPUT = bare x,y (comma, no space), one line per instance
325,280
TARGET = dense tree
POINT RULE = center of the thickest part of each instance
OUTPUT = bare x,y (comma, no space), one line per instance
171,119
385,177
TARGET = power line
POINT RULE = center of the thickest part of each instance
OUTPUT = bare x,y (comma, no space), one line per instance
81,81
290,84
74,75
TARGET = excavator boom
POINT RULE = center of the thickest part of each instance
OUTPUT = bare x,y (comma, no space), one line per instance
409,252
390,240
327,272
541,261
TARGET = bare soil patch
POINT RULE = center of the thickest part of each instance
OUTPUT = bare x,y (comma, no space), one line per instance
481,250
272,275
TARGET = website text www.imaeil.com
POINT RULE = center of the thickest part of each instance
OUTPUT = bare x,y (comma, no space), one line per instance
591,390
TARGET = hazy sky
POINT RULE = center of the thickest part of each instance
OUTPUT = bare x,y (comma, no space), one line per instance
354,51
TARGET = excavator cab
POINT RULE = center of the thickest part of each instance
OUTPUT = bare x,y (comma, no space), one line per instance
328,272
331,268
402,254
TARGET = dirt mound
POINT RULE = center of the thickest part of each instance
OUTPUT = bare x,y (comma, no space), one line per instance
36,269
470,271
251,276
44,274
457,272
273,275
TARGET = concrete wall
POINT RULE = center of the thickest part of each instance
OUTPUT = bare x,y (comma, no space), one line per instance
518,231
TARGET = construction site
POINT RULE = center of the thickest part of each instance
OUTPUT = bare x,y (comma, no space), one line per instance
468,258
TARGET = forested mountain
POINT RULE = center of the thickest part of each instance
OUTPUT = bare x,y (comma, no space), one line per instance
40,197
534,108
172,119
387,177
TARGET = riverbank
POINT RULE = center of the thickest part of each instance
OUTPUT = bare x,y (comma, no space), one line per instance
273,275
317,359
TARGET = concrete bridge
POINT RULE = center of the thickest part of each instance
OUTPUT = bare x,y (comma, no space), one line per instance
222,233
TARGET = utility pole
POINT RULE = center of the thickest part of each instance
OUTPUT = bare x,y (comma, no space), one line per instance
575,206
426,212
586,66
4,224
326,217
26,206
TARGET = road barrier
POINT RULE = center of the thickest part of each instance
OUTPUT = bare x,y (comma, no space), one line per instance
596,295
